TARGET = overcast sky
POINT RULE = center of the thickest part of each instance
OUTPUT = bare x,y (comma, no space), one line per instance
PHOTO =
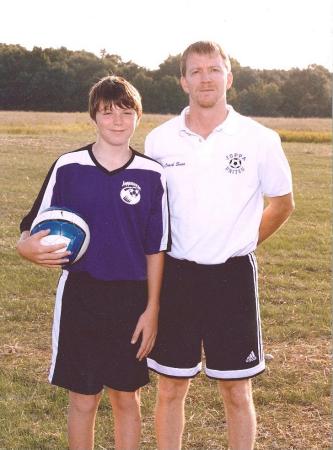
258,33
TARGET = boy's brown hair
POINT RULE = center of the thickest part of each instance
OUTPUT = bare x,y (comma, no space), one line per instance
113,90
203,48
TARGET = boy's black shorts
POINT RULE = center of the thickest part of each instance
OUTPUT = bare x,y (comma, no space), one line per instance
211,306
94,321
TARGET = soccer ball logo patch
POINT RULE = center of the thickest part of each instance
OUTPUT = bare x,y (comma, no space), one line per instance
235,163
130,193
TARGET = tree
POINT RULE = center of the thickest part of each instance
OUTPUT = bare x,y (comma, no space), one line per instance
307,93
170,67
60,79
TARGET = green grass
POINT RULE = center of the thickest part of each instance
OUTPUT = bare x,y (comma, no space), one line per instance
292,397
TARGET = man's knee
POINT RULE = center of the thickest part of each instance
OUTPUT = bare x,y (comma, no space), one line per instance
236,393
172,389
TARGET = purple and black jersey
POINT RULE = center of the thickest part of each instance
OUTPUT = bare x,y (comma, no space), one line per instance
126,210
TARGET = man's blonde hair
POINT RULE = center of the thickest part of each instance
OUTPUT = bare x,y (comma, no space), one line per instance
203,48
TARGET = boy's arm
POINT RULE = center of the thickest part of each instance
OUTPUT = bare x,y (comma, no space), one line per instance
147,323
30,248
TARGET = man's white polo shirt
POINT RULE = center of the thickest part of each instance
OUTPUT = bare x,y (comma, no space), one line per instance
216,185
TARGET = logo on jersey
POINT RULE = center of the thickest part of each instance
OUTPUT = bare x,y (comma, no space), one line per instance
236,162
130,193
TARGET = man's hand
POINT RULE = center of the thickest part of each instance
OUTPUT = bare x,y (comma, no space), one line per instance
147,325
30,248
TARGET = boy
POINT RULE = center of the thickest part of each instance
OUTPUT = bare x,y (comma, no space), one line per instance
106,310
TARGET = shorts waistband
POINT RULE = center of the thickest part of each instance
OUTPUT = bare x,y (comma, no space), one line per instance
187,263
86,277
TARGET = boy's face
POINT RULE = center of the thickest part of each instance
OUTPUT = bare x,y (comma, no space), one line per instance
116,125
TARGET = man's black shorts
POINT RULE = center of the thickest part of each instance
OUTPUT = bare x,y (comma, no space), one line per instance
94,321
211,306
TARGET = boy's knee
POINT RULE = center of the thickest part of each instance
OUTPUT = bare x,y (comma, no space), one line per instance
123,401
172,389
83,404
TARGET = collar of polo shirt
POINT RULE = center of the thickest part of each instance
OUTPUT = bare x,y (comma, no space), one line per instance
228,126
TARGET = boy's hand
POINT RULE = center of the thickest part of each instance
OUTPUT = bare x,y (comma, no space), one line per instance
147,325
30,248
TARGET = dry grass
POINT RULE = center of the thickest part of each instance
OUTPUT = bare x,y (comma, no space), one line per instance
296,124
293,396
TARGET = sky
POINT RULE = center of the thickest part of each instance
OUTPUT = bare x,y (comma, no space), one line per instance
270,34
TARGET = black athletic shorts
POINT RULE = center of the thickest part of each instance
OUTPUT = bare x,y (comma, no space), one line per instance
94,321
214,307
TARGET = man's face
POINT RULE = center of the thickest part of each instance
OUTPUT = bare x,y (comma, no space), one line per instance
206,80
116,125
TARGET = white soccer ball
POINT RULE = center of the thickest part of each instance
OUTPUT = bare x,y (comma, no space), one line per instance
65,227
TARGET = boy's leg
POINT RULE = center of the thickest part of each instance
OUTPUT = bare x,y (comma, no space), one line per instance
127,418
81,420
170,415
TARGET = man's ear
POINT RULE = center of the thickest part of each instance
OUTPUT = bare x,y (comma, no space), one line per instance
183,84
230,79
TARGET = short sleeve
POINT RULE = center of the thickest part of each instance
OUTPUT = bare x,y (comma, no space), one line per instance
274,170
157,230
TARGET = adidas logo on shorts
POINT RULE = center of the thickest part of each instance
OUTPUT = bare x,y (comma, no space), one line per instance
251,357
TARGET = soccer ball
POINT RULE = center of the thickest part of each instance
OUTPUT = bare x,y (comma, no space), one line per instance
65,227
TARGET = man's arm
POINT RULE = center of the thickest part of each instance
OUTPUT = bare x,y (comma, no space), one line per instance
275,215
147,323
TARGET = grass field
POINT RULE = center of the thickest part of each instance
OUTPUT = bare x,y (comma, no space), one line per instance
292,397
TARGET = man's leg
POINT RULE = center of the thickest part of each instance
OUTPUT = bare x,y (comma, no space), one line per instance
127,419
81,420
170,416
240,413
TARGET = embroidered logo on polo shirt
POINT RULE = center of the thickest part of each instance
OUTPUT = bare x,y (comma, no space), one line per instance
173,164
130,193
235,163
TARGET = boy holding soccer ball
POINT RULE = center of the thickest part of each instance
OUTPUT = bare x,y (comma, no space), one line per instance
107,303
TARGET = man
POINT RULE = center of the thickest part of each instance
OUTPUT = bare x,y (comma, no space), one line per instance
219,166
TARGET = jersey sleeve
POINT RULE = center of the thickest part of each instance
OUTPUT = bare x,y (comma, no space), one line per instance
274,170
43,199
157,230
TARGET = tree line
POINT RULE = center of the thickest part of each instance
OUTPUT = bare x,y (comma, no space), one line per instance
59,80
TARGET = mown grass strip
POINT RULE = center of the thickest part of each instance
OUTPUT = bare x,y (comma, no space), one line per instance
45,129
317,137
